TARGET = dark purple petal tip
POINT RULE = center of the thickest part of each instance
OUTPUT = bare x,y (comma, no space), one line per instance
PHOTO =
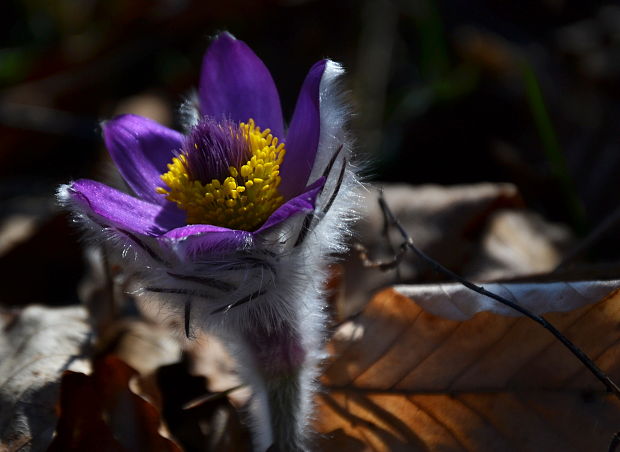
235,84
302,203
117,209
302,140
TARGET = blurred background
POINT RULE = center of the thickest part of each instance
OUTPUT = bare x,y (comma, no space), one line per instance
443,91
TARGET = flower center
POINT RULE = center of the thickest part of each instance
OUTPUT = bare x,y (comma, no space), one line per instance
226,175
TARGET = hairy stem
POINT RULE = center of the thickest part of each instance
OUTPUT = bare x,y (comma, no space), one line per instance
284,395
279,360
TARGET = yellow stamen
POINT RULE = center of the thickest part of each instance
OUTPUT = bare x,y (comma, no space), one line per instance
245,199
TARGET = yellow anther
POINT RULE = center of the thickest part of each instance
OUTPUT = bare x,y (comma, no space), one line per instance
219,202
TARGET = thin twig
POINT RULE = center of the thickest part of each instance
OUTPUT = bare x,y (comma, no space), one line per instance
380,264
596,371
385,231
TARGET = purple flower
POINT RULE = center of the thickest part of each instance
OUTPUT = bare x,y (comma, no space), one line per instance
236,90
233,224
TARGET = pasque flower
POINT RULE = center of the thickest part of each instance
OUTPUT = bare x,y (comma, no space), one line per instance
233,223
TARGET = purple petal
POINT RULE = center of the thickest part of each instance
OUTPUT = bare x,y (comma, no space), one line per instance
120,210
301,203
196,239
302,140
141,149
235,84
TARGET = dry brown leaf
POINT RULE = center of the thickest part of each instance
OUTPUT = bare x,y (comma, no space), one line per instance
100,412
79,428
481,231
36,345
456,302
200,420
402,379
515,243
145,347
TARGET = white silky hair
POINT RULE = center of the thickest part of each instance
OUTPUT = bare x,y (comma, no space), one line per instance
276,280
